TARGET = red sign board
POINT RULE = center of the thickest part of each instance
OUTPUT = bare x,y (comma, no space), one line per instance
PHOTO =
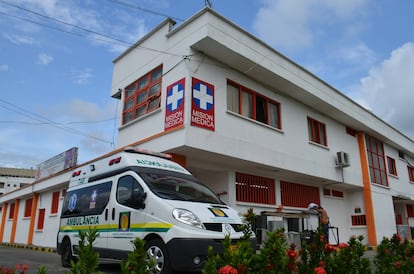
202,104
174,111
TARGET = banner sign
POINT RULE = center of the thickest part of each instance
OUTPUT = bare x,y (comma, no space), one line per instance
202,105
58,163
174,111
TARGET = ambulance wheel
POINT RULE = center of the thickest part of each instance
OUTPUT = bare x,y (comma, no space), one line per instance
157,252
66,253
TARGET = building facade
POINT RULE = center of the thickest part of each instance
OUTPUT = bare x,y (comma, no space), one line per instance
260,130
14,178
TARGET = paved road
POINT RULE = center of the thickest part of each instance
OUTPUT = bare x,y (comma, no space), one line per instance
11,256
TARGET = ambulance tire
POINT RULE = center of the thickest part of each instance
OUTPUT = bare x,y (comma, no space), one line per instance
66,253
157,252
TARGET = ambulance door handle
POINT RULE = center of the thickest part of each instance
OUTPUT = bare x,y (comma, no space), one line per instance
113,213
106,214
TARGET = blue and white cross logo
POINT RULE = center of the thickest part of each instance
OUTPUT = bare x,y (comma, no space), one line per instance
175,97
203,96
72,202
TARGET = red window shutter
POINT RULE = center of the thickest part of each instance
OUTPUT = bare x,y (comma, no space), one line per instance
41,219
359,220
410,211
11,212
297,195
255,189
398,219
55,202
28,208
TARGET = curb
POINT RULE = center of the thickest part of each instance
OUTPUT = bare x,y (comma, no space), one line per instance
31,247
373,248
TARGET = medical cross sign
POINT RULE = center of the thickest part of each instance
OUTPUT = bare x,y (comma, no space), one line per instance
202,104
174,111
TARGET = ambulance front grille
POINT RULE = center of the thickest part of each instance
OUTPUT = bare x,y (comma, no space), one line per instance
218,227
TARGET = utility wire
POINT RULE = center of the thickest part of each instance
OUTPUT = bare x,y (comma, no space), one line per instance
34,116
146,10
113,40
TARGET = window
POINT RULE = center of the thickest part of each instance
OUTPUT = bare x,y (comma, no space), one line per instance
255,189
410,211
317,132
358,220
392,168
376,161
28,208
55,202
298,195
90,200
252,105
41,219
333,193
11,212
410,173
142,96
129,192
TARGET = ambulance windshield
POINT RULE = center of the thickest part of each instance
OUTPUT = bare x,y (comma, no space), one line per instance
178,188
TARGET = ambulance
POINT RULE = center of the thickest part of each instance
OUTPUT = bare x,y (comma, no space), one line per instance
137,193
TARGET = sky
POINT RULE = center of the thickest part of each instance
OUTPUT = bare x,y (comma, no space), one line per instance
56,61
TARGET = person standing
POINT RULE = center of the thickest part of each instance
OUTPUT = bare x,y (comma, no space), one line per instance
324,221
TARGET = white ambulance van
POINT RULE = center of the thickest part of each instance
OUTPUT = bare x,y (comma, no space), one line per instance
135,193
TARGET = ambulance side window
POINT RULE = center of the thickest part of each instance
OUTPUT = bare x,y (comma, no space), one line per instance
90,200
129,192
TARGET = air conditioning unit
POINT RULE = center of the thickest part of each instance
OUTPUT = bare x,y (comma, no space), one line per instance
342,159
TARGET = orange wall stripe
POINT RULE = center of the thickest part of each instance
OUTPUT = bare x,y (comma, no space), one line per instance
3,220
14,225
369,207
32,218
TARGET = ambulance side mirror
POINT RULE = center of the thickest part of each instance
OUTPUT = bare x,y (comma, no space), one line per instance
138,199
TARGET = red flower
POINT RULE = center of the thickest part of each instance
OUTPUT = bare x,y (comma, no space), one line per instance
397,264
292,254
343,245
396,237
329,248
319,270
322,264
227,269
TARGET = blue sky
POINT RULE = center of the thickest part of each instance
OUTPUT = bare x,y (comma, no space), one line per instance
56,61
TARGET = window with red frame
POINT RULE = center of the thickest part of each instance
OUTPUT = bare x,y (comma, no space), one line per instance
410,211
333,193
298,195
376,161
317,132
410,173
255,189
28,207
41,219
142,96
359,220
11,211
55,202
252,105
392,168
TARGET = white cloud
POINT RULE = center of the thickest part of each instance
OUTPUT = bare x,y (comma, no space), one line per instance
20,39
82,77
297,24
44,59
388,89
4,67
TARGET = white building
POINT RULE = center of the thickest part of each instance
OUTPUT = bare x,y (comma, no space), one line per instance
260,130
14,178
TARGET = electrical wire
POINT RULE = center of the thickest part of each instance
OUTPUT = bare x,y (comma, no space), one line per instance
43,120
145,10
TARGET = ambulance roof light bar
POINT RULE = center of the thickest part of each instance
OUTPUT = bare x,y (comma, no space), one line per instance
148,152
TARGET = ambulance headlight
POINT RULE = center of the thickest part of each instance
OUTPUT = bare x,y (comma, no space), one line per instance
187,217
